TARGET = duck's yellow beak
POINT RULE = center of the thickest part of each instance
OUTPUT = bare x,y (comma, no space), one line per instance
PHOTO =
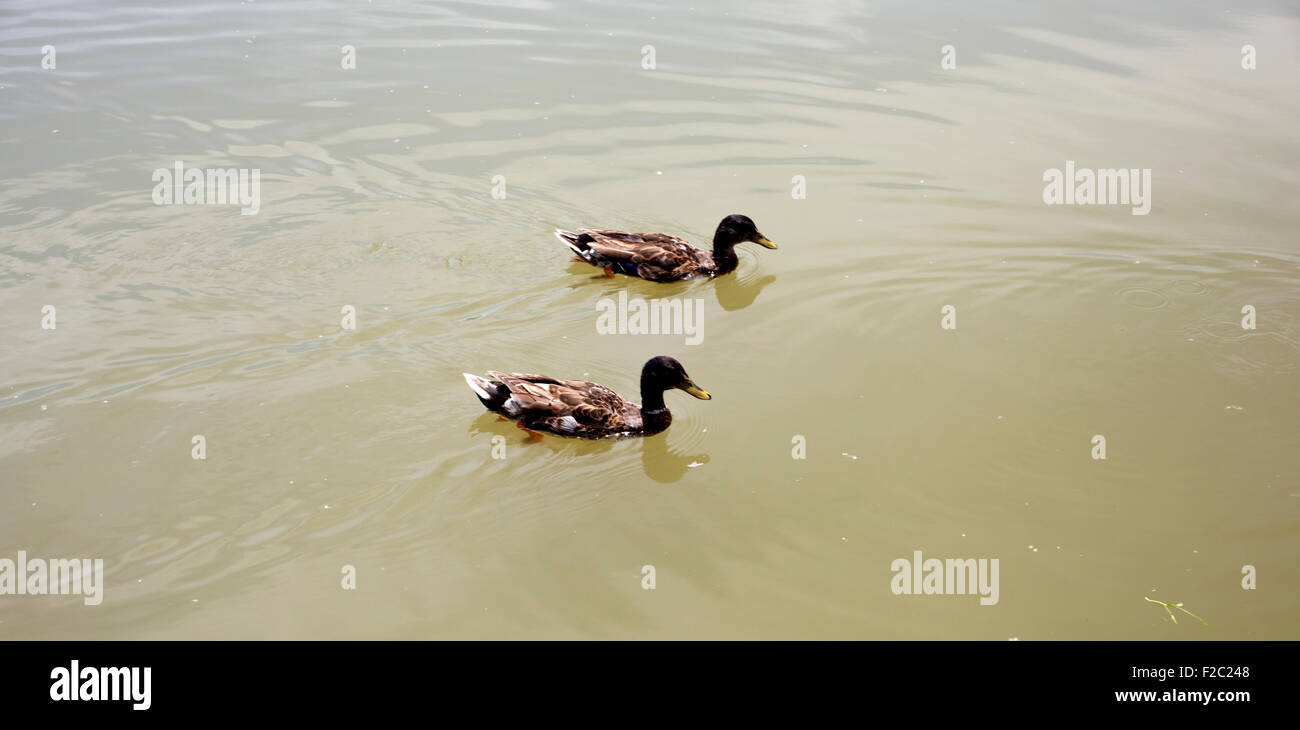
695,390
762,241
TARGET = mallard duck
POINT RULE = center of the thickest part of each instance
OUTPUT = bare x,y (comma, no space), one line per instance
583,409
661,257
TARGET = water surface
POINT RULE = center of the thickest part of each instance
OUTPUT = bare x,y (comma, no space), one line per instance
329,448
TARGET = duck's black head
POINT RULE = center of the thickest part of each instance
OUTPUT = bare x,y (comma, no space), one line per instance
664,373
736,229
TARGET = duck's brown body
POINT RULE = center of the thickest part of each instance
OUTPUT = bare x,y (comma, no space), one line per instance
659,256
650,256
571,407
581,408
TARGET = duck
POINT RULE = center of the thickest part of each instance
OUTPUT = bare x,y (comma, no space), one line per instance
581,409
660,257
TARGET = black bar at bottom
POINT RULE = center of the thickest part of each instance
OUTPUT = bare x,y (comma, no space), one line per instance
239,680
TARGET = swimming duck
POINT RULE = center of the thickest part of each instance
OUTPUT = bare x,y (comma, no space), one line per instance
661,257
583,409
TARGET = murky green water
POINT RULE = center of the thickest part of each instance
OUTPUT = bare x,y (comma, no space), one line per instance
328,448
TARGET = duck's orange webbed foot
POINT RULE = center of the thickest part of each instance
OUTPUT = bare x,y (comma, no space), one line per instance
609,272
533,436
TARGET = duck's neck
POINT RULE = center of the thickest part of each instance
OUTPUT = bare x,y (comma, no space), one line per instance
654,414
724,257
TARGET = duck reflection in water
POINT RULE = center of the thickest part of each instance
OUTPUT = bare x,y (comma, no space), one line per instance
733,293
737,292
658,461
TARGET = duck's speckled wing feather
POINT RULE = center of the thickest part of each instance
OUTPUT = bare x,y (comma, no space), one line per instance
568,407
652,256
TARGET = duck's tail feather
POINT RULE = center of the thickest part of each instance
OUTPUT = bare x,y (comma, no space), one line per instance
577,242
570,239
492,394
